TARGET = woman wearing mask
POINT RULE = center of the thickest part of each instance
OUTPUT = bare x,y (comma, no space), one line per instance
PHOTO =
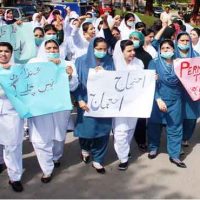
47,132
39,36
11,136
191,109
93,132
123,128
167,107
50,33
127,26
195,37
140,53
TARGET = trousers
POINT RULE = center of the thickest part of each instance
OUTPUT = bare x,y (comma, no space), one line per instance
122,141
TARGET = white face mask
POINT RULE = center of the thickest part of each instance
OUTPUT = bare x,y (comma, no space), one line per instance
131,24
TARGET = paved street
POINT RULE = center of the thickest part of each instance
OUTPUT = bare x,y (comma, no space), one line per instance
144,178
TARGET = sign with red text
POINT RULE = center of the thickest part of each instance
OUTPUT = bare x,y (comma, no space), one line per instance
120,93
188,71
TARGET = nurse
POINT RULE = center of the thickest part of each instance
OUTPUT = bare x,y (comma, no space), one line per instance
167,107
48,132
11,136
191,109
123,128
93,132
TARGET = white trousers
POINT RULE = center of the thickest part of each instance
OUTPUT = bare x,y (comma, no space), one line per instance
1,154
47,153
13,159
122,141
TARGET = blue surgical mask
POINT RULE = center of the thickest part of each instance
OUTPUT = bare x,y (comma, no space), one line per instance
167,55
50,37
136,44
89,20
99,54
38,41
131,24
53,55
184,46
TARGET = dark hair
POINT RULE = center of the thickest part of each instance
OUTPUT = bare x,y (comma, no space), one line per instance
125,43
187,18
98,40
168,33
157,26
50,41
148,31
140,25
170,42
88,13
115,29
49,27
197,30
100,23
129,15
9,10
181,34
6,44
85,26
39,28
55,12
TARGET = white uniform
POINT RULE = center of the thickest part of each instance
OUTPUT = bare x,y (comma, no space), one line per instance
197,46
125,31
48,132
151,50
124,127
11,137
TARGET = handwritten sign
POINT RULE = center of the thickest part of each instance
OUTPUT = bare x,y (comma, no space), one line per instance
120,93
37,88
188,71
21,38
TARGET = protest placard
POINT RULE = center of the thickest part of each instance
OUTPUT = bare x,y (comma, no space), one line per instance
37,88
188,71
120,93
21,37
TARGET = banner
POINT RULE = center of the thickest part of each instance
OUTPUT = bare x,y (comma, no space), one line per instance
188,71
120,93
21,38
37,88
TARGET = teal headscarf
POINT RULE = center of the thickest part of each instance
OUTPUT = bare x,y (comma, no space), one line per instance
138,35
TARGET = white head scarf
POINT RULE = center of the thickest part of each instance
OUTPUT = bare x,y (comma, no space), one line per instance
120,63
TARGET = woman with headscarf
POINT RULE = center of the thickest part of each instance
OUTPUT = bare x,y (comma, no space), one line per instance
81,35
54,15
50,33
123,128
195,37
127,26
48,132
93,132
9,18
39,37
11,136
191,109
37,20
167,106
140,53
